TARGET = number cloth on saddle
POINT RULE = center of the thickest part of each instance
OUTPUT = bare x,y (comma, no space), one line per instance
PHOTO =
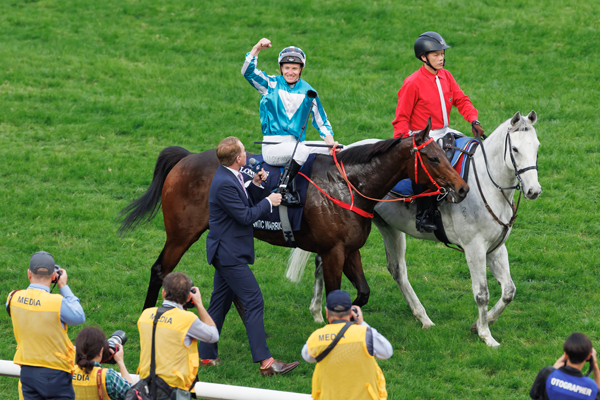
272,222
404,188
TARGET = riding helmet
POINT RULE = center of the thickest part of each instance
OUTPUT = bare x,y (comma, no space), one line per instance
428,42
292,55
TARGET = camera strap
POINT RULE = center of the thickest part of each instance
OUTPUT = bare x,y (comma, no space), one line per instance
10,296
335,341
159,313
99,384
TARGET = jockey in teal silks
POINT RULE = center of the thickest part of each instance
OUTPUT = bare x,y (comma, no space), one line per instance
284,108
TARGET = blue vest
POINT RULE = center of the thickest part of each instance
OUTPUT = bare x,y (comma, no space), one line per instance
562,386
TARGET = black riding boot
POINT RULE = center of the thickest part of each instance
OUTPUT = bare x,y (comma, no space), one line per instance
425,212
289,197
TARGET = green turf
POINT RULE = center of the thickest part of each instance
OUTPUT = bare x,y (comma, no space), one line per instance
90,92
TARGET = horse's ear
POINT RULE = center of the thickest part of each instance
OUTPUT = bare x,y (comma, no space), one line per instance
422,136
515,119
532,117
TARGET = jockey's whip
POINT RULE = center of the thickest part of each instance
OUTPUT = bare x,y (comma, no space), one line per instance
339,146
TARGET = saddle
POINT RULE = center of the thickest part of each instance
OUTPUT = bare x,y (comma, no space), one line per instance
272,222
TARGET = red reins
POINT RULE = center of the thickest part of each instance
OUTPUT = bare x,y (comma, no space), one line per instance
351,207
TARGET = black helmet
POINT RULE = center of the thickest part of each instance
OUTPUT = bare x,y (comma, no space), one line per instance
429,41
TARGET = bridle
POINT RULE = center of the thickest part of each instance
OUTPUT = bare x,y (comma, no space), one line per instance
440,192
518,172
506,226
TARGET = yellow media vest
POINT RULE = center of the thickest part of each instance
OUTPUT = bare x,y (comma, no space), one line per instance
348,372
176,364
33,311
86,386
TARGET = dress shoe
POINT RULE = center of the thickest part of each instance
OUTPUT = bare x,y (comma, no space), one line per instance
210,362
278,368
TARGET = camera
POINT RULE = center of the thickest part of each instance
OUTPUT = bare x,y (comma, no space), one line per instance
58,273
355,312
117,338
190,304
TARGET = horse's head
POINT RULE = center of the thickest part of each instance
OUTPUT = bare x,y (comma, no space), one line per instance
521,153
437,165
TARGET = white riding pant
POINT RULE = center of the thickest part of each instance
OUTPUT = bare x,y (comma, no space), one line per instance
439,133
279,154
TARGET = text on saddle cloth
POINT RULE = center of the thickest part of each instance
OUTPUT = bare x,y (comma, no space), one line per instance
404,188
273,222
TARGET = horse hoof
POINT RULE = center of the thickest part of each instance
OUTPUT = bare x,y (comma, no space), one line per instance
318,318
491,342
428,325
474,327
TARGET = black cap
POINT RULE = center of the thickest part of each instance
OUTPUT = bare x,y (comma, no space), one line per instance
428,42
338,301
42,263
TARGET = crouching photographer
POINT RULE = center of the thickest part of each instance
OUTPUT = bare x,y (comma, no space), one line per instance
90,380
565,380
168,340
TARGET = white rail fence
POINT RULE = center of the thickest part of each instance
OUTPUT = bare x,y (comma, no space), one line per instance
204,390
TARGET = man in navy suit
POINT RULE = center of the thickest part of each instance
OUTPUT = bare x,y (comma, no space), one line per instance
233,209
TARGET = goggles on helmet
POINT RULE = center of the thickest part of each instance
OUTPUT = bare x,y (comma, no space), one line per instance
292,54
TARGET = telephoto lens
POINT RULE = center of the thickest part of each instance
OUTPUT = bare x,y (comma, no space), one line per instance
117,338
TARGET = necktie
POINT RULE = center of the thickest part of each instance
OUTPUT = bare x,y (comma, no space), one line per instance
239,175
439,86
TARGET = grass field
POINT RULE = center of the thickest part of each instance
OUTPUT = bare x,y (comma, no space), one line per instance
90,92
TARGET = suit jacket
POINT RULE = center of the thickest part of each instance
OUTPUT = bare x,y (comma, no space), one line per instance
231,215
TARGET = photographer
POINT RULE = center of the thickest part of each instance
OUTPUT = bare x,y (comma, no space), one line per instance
40,321
346,369
91,348
177,333
564,379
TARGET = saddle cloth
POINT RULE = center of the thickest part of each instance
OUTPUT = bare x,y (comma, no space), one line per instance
404,188
272,222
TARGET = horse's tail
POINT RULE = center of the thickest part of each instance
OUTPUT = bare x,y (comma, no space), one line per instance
296,264
149,203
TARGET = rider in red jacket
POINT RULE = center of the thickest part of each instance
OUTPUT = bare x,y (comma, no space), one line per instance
431,91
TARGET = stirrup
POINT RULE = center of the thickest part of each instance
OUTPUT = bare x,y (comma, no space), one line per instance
290,199
424,224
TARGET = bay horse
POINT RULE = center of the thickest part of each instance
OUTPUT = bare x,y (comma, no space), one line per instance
182,181
480,225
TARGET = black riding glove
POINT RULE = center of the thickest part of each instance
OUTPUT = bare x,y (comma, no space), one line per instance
478,130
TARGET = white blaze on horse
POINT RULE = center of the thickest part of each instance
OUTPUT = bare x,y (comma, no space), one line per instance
480,224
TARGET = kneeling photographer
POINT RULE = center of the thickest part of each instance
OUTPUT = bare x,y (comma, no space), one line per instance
169,335
565,380
90,380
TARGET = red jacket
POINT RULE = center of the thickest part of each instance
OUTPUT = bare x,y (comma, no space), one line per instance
419,99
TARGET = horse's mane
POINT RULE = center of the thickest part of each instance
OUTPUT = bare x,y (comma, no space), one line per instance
365,153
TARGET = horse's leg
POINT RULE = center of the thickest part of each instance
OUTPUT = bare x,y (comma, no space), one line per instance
475,254
498,263
395,249
316,304
333,265
354,272
166,262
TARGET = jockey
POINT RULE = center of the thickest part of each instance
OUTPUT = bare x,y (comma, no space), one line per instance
431,91
284,108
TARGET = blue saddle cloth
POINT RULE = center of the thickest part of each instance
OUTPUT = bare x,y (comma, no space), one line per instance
404,187
272,221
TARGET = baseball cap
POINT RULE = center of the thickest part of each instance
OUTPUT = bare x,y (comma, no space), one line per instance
42,263
338,301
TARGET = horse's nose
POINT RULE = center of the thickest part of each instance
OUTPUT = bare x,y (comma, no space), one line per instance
462,191
533,194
